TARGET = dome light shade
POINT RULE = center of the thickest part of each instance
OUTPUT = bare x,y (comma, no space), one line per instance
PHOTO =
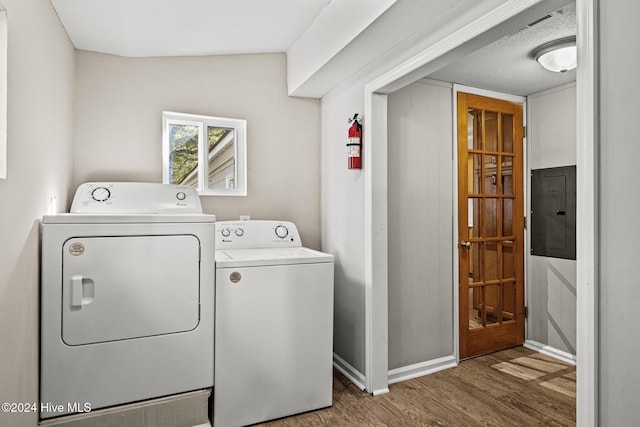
557,56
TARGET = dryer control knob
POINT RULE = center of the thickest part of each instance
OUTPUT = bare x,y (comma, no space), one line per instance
100,194
225,232
281,231
239,232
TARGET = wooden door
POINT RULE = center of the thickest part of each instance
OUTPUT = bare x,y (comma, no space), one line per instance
490,224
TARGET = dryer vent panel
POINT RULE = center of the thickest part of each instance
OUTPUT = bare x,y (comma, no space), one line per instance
553,212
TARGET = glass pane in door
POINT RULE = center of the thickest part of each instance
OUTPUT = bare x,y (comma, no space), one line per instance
475,308
491,130
509,301
491,217
475,217
475,173
507,175
507,133
475,263
491,304
474,129
491,271
507,217
507,261
490,174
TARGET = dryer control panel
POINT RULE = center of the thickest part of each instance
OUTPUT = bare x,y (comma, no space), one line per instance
256,234
135,198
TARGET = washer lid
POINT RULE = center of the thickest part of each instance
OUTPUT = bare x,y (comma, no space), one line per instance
269,256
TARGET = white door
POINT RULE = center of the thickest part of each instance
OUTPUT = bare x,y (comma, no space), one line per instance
118,288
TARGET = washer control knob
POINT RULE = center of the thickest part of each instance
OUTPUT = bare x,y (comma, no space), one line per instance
226,232
100,194
181,196
281,231
239,232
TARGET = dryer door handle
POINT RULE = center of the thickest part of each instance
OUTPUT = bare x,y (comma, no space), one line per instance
82,290
76,291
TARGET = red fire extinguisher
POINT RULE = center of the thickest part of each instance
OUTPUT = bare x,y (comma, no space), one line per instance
354,146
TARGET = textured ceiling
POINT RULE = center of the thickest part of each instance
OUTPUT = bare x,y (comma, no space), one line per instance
507,66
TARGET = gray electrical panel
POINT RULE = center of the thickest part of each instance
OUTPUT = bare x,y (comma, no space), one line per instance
553,212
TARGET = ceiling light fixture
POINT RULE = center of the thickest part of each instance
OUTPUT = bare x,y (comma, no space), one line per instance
557,56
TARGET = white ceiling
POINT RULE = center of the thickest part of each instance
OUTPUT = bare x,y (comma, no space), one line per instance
139,28
506,65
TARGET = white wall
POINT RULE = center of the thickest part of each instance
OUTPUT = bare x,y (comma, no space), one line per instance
551,127
342,223
343,190
118,127
619,206
551,285
41,75
420,187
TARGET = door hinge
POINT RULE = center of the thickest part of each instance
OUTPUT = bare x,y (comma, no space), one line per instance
525,222
526,312
524,131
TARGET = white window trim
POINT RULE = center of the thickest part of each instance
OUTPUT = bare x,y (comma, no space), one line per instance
239,127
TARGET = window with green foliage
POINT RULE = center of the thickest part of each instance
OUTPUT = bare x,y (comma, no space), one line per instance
208,153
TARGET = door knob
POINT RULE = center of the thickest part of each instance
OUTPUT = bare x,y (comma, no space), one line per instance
465,245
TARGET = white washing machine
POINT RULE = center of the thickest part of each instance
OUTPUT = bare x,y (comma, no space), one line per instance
274,324
127,297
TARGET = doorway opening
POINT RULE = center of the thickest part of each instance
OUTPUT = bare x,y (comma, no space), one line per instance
467,40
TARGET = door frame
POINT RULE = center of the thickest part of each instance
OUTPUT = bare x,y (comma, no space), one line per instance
511,15
525,171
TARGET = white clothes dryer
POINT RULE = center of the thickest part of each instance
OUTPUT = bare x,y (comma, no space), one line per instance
127,297
274,323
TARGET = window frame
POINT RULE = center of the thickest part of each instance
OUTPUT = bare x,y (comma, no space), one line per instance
239,127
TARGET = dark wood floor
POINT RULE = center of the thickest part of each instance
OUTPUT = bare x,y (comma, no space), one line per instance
515,387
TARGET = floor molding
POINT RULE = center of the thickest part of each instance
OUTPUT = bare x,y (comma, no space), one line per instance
551,351
420,369
349,371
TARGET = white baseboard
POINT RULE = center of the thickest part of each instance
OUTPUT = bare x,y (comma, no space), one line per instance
349,371
380,391
420,369
551,351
